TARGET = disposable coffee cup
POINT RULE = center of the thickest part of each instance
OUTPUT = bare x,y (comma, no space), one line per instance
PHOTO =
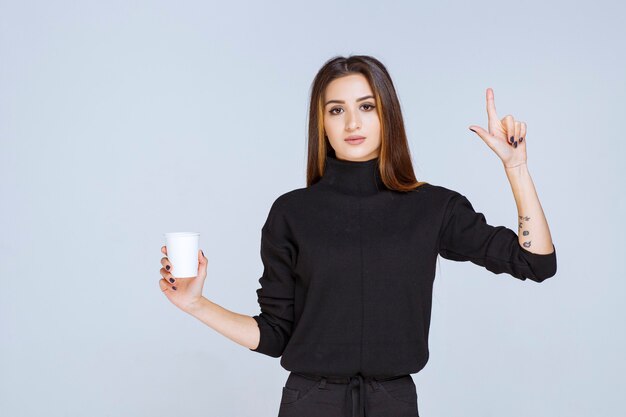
182,252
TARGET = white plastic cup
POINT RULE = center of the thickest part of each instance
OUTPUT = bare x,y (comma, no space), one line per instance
182,252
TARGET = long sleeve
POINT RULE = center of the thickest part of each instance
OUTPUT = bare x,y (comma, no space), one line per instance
276,295
466,236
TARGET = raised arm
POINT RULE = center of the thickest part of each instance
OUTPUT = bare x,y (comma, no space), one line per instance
507,138
533,231
465,234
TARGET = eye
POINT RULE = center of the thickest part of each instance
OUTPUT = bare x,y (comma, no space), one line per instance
370,107
332,110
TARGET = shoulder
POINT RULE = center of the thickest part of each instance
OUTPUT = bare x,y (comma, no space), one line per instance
286,204
278,224
438,193
289,199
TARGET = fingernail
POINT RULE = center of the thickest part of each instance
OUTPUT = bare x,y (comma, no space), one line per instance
472,130
174,288
512,139
521,140
202,252
172,280
167,267
515,144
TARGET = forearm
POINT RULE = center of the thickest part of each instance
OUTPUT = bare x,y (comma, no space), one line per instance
239,328
533,231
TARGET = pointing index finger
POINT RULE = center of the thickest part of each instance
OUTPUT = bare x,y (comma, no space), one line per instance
491,106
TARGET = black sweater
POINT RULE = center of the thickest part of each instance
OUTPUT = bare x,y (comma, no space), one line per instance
349,267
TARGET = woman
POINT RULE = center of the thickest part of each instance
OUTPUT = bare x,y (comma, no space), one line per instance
349,260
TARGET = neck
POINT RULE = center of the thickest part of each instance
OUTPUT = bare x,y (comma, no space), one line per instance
353,177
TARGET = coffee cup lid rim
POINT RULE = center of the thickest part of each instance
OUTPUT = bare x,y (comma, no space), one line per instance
181,233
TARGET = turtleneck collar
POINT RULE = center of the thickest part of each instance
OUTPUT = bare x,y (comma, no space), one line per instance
353,177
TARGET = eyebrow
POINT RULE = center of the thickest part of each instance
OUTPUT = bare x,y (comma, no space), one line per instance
341,101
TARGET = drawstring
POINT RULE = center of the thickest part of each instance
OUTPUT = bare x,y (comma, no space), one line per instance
358,396
357,388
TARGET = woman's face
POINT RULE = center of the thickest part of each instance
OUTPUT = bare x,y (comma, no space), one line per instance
350,110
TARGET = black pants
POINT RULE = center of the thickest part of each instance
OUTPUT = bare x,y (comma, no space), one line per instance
357,396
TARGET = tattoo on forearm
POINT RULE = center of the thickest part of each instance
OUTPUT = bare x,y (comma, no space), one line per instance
525,232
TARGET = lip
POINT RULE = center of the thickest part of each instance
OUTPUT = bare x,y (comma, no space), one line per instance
357,141
355,137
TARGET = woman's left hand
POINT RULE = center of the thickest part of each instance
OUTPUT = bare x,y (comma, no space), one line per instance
506,137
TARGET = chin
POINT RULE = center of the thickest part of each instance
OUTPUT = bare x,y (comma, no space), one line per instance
355,152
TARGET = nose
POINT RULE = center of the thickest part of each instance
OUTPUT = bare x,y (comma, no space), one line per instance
353,121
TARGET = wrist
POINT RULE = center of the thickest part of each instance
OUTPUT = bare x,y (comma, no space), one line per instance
516,169
195,306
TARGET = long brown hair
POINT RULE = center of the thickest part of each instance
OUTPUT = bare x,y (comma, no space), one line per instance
396,169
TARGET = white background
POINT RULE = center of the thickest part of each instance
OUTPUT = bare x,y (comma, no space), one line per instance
122,120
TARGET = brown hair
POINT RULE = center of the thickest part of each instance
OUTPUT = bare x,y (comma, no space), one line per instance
396,169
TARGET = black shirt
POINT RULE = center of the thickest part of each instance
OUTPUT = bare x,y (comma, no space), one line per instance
349,267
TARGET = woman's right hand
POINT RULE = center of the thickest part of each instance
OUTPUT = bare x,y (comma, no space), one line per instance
182,292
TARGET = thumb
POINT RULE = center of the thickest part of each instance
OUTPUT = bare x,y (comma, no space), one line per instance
202,263
484,135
